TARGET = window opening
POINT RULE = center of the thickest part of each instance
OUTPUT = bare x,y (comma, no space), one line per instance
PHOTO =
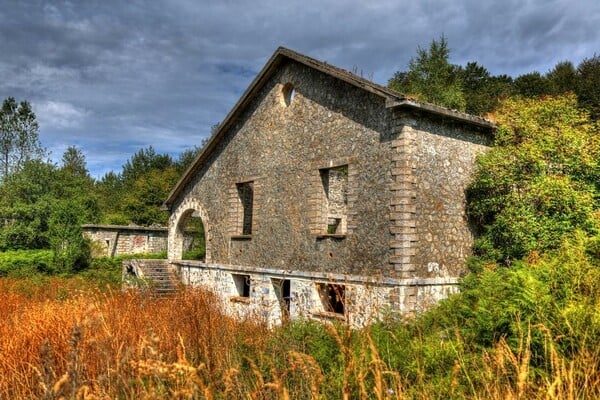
335,185
282,292
194,239
288,92
246,194
333,297
242,284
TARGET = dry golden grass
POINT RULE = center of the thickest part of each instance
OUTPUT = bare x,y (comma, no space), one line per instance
88,344
59,340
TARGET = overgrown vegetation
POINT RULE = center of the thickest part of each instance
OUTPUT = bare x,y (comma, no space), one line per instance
78,342
541,180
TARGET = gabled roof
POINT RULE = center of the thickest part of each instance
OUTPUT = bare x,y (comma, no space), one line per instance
392,99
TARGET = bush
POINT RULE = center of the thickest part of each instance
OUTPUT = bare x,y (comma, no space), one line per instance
22,263
540,182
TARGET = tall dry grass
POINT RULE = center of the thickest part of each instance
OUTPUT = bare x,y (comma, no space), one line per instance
61,340
90,344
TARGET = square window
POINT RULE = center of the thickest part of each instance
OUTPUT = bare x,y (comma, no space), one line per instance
333,297
242,284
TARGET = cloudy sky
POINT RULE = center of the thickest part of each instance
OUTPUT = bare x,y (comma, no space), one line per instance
113,76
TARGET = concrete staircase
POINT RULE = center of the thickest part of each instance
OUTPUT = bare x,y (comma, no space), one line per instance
156,277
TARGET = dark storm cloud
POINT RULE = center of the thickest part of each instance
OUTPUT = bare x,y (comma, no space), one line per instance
112,76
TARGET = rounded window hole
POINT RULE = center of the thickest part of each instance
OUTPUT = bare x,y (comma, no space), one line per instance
288,92
330,255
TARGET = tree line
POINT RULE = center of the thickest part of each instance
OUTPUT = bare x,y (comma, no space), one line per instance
472,88
43,204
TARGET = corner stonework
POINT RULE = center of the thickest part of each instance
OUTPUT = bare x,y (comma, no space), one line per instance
403,221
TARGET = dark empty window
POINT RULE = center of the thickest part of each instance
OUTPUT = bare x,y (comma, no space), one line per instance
246,193
288,92
333,297
242,284
282,292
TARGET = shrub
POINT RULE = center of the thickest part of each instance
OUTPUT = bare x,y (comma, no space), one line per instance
540,182
22,263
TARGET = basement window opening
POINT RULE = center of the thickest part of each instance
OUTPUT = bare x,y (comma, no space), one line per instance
282,292
333,297
242,284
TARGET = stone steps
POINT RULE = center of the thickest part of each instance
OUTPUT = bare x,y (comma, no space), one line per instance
154,276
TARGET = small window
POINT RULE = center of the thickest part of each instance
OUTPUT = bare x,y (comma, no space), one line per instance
288,92
246,196
333,297
242,284
335,186
282,292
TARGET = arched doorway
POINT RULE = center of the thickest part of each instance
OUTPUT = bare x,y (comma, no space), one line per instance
194,239
188,233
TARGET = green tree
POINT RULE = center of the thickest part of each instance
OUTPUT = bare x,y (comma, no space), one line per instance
143,162
145,196
540,181
137,193
71,249
110,190
25,204
475,79
532,84
19,138
562,78
588,85
483,91
431,78
73,161
186,158
35,203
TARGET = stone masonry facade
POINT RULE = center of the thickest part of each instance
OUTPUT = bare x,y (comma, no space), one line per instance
325,195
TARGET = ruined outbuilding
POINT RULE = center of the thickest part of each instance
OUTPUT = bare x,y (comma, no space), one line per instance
116,240
328,196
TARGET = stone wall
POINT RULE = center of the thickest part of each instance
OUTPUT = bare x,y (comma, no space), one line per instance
115,240
364,300
283,150
433,162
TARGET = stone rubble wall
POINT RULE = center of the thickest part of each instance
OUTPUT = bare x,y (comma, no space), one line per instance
111,241
367,300
433,163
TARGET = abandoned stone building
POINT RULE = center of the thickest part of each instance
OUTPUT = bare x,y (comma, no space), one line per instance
327,196
115,240
118,240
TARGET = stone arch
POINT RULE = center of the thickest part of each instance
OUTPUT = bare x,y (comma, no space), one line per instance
177,222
